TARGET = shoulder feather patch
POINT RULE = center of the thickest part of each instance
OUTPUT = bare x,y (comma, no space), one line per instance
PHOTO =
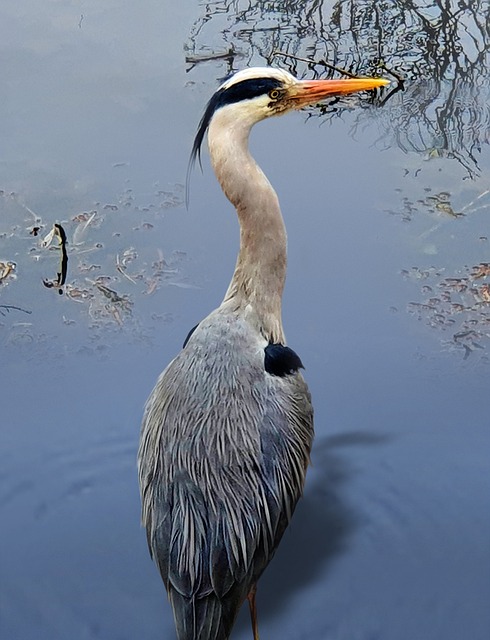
281,361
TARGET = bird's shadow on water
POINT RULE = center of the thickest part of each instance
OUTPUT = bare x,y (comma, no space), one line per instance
321,526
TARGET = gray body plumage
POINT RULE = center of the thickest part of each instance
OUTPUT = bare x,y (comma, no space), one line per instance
227,433
223,456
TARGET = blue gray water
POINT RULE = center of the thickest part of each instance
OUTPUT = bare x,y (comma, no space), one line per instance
99,109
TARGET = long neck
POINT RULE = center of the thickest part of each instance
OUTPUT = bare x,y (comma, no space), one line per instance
260,272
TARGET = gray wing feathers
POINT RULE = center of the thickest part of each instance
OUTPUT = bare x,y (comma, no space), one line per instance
222,463
286,437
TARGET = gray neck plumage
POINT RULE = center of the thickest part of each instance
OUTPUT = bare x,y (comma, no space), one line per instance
260,272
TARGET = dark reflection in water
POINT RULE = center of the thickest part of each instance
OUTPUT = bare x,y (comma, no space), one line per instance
440,48
325,522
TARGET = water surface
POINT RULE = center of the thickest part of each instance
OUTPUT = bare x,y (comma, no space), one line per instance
386,205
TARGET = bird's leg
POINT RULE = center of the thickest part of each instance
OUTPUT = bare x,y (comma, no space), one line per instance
253,611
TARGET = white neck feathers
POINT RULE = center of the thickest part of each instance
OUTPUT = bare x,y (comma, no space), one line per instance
260,271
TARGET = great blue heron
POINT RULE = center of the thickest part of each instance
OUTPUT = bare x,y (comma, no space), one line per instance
228,428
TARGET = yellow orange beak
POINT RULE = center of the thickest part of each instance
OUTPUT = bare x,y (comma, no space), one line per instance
310,91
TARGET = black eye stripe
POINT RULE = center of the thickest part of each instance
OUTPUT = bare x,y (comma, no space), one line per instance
244,90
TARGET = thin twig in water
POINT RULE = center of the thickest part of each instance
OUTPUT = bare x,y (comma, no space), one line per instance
121,270
195,59
395,74
12,307
314,62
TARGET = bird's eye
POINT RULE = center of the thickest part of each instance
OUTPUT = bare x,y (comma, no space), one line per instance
274,94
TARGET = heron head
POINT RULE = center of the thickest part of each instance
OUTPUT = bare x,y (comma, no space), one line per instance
257,93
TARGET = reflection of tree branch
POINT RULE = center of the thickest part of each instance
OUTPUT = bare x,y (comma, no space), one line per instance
6,308
441,48
313,63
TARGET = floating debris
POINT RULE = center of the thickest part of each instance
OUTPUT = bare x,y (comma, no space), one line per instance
461,305
7,269
59,233
77,294
481,270
117,307
194,59
84,216
107,288
484,293
122,262
112,295
85,221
